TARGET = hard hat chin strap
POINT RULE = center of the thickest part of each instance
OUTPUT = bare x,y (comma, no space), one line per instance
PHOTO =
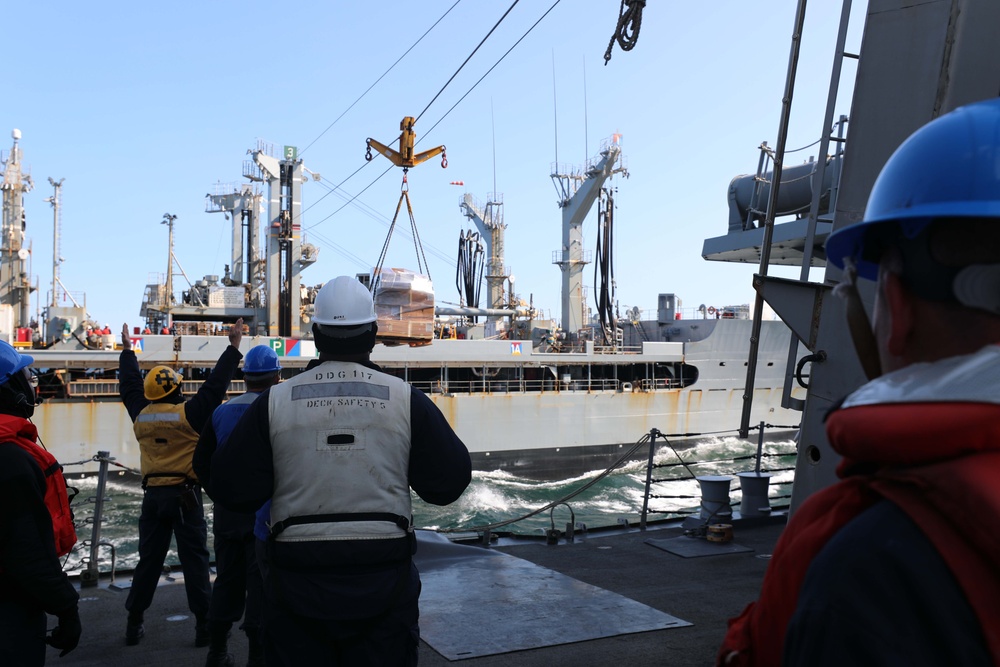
857,322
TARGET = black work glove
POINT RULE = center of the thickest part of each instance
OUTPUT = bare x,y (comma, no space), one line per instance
66,634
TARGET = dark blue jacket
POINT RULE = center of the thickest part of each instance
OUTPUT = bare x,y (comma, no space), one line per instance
235,525
879,593
30,573
359,575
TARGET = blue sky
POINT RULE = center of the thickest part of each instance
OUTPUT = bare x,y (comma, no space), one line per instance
142,108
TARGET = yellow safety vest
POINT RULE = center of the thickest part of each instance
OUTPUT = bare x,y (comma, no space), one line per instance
166,444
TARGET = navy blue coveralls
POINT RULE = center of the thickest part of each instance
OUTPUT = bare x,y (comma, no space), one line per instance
238,585
31,578
341,602
162,514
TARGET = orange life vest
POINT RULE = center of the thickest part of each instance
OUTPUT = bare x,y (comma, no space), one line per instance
927,439
23,433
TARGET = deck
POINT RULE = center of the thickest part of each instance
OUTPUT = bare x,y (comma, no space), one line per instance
598,593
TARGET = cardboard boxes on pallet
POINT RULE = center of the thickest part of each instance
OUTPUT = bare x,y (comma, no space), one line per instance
404,305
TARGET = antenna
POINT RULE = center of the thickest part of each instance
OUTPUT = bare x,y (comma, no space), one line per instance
555,110
586,133
493,128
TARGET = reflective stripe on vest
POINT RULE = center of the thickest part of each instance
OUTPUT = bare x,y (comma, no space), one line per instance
166,444
340,440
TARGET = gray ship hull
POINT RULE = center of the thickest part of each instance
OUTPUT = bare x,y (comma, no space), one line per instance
564,421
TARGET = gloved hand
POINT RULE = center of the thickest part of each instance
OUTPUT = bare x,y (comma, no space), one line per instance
66,634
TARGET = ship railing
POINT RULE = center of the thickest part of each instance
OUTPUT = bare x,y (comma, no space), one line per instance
714,506
109,388
659,383
771,463
515,386
617,349
754,472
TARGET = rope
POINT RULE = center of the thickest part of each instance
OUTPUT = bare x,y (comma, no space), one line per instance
493,526
627,31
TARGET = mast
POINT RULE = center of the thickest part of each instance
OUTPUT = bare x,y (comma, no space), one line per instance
286,254
15,286
168,220
240,205
489,221
56,255
577,194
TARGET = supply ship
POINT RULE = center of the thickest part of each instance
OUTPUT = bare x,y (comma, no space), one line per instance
527,395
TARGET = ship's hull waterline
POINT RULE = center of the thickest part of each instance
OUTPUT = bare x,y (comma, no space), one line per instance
535,413
544,435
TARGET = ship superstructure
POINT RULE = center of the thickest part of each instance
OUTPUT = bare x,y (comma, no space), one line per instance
525,394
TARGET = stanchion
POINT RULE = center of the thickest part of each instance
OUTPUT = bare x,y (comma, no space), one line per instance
754,485
90,575
649,478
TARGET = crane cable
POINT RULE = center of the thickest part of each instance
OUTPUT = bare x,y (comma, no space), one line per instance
391,67
352,199
487,73
464,62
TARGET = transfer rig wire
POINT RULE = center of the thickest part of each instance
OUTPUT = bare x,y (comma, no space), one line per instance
404,158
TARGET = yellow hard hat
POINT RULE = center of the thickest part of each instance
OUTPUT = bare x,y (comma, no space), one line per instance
160,381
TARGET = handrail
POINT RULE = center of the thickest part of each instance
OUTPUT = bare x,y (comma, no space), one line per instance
109,388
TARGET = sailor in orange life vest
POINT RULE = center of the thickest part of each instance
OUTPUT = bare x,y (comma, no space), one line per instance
897,563
336,449
36,528
167,429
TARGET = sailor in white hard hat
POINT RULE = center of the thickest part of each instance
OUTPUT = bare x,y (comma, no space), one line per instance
337,449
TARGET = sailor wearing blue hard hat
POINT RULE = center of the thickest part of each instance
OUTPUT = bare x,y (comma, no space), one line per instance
897,562
36,527
939,190
237,592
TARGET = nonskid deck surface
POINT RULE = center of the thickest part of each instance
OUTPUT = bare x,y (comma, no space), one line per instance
614,568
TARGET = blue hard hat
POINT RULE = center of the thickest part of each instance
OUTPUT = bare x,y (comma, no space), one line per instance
261,359
949,168
11,361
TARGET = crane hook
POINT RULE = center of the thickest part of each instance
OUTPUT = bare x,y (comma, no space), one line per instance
368,153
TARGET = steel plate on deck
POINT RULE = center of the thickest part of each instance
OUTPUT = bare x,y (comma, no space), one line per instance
477,602
692,547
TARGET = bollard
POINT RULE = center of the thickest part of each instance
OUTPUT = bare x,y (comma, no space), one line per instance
715,498
755,494
714,501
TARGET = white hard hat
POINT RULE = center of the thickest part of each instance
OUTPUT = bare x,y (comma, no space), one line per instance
344,302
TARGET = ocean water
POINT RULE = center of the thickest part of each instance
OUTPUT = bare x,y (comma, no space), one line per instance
492,498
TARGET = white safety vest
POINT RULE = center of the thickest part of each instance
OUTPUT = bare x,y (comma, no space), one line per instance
340,438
